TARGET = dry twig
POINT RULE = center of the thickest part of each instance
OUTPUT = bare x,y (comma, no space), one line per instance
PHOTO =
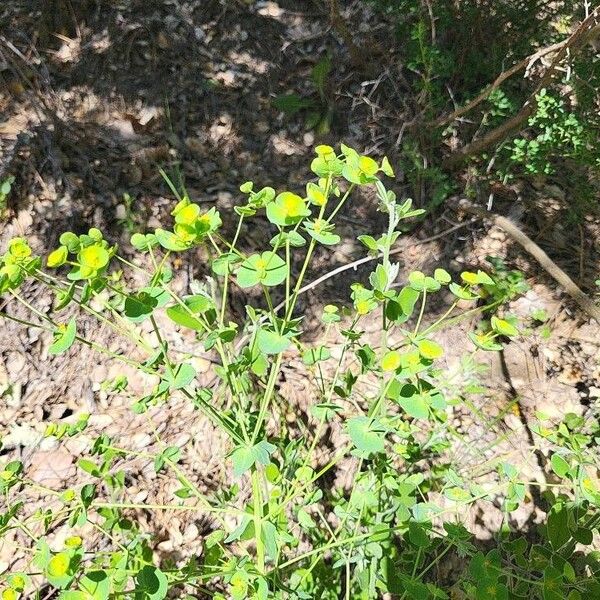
513,231
575,41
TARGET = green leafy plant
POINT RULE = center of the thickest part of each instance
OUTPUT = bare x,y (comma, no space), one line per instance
279,528
554,132
317,106
5,188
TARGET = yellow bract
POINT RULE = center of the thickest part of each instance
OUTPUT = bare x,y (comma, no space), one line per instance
185,232
363,307
57,257
19,248
59,565
315,194
391,360
94,257
324,150
292,204
188,214
9,594
367,165
319,225
469,277
73,542
6,475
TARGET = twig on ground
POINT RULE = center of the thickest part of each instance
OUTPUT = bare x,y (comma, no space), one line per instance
581,298
524,64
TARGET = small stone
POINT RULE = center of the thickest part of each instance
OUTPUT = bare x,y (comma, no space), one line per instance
120,211
140,497
182,440
51,468
309,138
191,533
15,365
141,440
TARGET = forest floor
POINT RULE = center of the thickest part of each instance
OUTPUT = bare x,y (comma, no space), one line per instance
87,119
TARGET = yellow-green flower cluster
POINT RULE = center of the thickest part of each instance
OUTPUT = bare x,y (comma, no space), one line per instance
16,263
90,254
192,226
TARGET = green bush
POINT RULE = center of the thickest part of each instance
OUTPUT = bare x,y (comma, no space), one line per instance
280,529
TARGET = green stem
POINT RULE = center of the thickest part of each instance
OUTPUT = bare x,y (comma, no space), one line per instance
258,520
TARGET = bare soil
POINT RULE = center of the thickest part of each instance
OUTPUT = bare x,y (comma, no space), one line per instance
95,100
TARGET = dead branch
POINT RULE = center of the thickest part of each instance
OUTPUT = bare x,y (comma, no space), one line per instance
581,298
524,64
575,41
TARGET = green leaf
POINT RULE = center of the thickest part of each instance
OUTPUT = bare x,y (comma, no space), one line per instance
269,539
72,595
271,342
418,535
293,237
6,185
368,435
559,465
557,525
319,74
584,536
461,293
64,297
96,584
245,457
139,306
484,342
503,327
413,402
263,450
184,375
194,305
89,467
63,338
151,584
386,167
315,355
171,454
267,268
305,520
552,586
224,264
292,103
442,276
70,240
379,278
415,589
325,411
322,232
170,241
369,241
